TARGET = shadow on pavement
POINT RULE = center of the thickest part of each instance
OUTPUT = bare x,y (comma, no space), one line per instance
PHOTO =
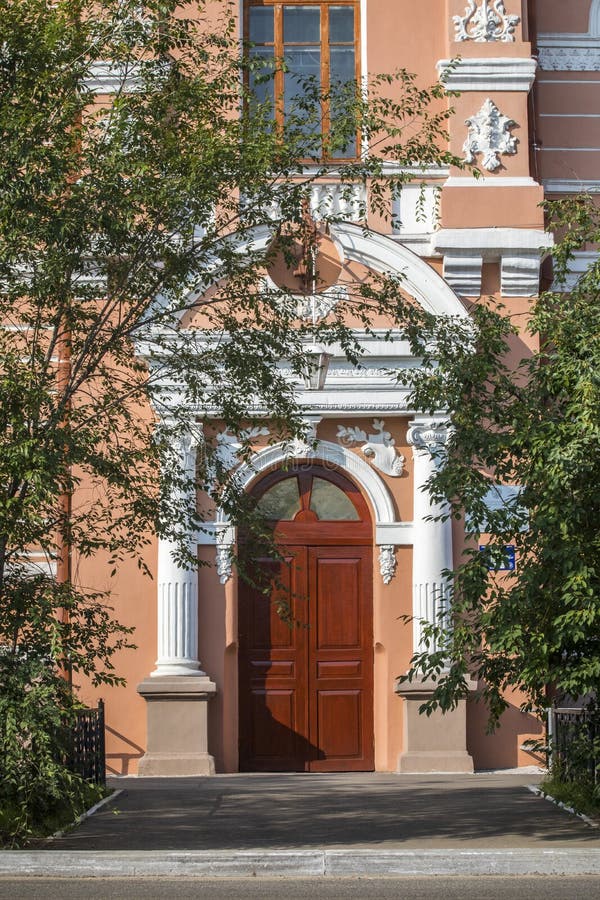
303,811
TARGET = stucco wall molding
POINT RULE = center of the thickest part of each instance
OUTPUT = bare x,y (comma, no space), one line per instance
495,74
571,186
519,251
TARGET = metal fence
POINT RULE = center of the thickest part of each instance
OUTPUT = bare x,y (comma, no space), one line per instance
574,737
87,756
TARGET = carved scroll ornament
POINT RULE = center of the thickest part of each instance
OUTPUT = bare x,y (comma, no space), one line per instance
487,21
489,134
378,448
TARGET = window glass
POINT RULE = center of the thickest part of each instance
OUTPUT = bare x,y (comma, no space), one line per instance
261,82
261,28
301,24
341,24
282,501
329,501
341,64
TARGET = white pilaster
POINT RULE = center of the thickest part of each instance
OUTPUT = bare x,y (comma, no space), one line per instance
432,548
177,590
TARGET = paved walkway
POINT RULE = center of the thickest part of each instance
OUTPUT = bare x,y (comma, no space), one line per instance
336,811
298,824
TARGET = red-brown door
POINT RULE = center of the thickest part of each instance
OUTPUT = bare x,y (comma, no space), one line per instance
306,682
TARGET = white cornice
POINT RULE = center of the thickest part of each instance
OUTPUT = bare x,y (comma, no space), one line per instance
491,241
578,265
512,73
571,186
503,181
107,77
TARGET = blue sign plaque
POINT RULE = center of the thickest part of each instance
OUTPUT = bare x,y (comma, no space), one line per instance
501,560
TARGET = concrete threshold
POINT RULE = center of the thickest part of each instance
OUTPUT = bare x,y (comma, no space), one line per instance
302,863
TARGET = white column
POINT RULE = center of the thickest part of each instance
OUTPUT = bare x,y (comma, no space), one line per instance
432,544
177,590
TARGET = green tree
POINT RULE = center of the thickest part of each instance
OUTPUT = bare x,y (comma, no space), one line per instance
116,217
534,424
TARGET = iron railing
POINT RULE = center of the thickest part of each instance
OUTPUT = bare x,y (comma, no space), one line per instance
574,738
87,756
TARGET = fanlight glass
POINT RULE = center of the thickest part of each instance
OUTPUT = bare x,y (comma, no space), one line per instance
282,501
329,502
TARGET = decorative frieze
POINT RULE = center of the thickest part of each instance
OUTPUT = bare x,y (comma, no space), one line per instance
486,20
378,448
569,59
489,134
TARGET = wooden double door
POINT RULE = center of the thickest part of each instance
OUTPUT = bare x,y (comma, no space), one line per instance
306,652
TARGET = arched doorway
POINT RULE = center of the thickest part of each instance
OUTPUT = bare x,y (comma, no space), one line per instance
306,684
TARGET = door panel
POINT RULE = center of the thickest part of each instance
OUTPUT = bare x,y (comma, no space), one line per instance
341,658
273,670
339,724
338,613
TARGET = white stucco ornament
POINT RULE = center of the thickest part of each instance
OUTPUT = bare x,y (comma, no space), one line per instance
378,448
224,561
317,306
489,134
387,562
486,21
229,445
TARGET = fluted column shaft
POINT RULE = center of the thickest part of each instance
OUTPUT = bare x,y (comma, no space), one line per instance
432,548
177,592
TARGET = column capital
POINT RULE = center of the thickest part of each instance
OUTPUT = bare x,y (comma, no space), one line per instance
427,433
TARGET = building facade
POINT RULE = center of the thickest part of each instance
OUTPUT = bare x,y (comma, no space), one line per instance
219,680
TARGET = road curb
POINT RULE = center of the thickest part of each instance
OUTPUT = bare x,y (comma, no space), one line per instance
539,792
299,863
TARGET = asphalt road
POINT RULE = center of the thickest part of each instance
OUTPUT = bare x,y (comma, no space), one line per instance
416,888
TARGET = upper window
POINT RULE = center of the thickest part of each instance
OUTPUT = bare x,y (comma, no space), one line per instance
317,44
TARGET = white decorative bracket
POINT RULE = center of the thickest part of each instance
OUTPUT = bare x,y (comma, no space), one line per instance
482,23
229,445
489,134
378,448
224,561
305,446
387,562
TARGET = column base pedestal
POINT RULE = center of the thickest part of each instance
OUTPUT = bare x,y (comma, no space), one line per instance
177,743
435,743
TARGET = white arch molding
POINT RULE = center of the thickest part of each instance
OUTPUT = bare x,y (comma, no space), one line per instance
388,531
380,253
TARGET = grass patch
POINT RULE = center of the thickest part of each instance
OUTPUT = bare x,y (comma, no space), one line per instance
57,817
580,795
